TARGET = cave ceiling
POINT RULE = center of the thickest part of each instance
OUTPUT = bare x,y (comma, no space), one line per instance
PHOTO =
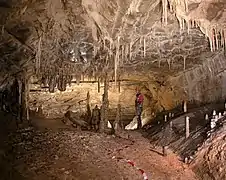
121,37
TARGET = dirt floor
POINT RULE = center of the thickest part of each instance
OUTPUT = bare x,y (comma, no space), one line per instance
51,150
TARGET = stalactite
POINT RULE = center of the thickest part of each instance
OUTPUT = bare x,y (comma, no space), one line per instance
144,46
38,56
94,51
123,53
211,42
184,63
164,14
217,42
188,24
213,39
104,44
222,37
171,7
180,24
196,24
186,5
192,23
117,59
127,52
183,24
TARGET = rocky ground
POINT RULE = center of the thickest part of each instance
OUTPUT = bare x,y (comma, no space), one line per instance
210,161
50,150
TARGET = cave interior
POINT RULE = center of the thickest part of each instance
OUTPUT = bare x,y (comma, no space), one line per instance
61,58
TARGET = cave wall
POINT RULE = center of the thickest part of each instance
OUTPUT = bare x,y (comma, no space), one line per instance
74,98
202,84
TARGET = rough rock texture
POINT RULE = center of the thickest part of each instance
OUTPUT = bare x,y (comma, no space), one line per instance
210,161
49,150
203,84
57,40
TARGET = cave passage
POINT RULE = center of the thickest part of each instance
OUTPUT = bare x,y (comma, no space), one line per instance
98,89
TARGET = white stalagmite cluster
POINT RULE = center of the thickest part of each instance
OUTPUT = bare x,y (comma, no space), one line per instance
215,29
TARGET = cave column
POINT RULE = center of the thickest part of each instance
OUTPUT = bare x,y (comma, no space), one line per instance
25,98
117,124
19,115
89,114
105,106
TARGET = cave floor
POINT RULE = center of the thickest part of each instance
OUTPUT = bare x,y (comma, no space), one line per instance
50,150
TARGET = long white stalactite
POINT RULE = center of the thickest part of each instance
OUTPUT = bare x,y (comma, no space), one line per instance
215,33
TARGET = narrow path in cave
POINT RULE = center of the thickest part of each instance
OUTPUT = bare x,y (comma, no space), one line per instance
50,150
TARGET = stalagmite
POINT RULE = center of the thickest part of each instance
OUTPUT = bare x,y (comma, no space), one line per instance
220,115
214,113
165,118
185,106
117,124
88,108
78,79
104,107
206,117
169,63
187,126
25,98
171,125
164,150
20,115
